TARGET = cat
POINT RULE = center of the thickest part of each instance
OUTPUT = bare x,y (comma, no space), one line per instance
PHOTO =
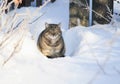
50,41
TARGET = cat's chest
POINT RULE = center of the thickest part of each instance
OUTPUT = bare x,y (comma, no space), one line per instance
53,39
51,51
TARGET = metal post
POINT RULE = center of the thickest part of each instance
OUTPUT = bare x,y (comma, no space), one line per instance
90,12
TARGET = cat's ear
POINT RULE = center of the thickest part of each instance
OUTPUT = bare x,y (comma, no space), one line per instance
46,25
59,24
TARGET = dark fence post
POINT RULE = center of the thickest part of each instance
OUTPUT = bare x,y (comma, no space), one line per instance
38,3
25,3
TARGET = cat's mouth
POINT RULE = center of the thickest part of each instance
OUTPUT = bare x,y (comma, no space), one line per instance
53,36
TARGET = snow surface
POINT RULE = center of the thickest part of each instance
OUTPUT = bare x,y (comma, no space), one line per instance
92,53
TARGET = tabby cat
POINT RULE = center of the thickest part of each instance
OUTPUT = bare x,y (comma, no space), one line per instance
50,41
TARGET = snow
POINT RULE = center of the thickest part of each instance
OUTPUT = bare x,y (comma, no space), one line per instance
117,10
92,53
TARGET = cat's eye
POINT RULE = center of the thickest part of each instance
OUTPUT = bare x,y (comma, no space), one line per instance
46,33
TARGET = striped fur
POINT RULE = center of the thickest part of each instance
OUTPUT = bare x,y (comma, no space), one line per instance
50,41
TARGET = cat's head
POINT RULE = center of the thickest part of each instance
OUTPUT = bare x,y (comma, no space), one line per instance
53,31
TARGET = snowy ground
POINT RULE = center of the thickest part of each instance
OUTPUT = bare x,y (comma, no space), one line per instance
92,53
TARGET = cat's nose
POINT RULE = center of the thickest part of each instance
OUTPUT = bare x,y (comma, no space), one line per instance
53,34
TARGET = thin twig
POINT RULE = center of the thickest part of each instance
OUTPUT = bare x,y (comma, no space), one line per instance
37,18
16,47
